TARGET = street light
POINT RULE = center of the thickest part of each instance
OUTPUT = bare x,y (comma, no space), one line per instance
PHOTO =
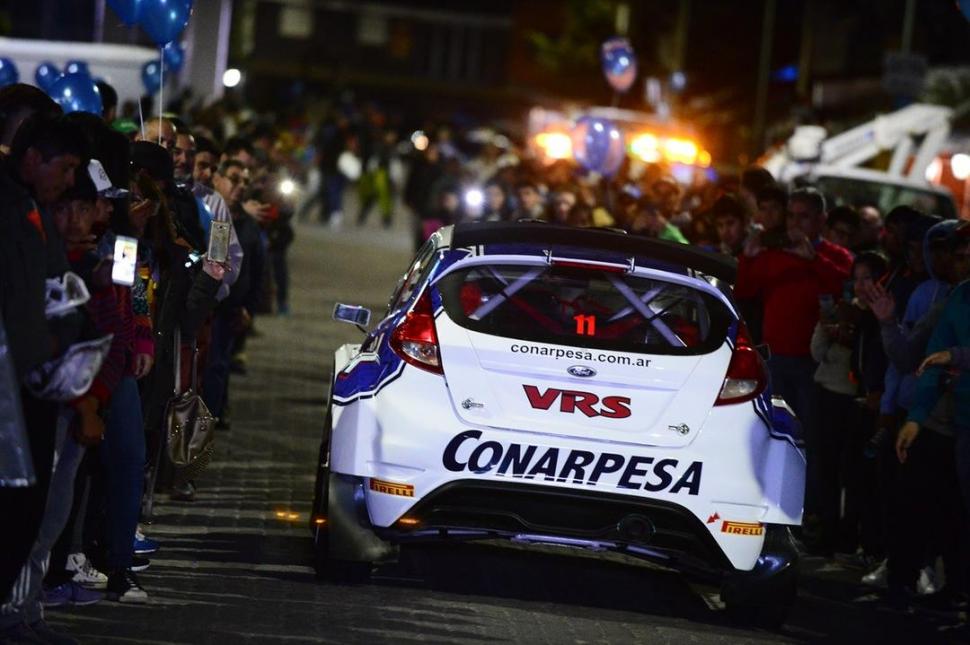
231,77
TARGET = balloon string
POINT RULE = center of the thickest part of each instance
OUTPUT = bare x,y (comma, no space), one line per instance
161,90
141,118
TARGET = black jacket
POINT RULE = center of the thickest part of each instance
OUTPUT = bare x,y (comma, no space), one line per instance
27,259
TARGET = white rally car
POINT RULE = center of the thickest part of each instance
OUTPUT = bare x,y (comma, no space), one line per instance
564,386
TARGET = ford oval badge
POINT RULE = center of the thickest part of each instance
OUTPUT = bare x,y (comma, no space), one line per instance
582,371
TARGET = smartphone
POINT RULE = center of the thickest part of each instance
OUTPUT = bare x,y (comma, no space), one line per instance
219,241
125,260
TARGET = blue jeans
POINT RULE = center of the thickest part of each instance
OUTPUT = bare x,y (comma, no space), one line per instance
793,377
123,456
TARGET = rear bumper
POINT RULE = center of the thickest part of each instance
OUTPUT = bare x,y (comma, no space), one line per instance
655,530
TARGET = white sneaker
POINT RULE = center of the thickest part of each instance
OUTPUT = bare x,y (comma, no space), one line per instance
927,581
84,572
877,577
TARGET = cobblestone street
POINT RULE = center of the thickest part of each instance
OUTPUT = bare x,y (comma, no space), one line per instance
235,564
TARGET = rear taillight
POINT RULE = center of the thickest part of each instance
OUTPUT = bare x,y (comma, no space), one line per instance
746,374
415,339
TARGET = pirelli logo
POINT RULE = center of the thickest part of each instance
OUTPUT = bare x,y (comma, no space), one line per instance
743,528
390,488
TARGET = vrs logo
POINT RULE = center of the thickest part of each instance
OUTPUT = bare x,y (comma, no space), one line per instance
613,407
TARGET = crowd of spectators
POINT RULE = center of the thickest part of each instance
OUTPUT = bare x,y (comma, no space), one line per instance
95,353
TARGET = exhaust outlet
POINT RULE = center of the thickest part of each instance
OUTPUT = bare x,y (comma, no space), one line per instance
635,528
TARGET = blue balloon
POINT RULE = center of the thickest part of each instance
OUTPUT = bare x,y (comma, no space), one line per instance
45,75
77,93
164,20
151,76
598,145
619,63
174,56
8,72
128,10
77,67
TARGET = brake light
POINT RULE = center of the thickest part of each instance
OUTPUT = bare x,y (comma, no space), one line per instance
747,376
415,339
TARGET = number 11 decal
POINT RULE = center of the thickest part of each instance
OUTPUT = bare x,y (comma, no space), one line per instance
585,325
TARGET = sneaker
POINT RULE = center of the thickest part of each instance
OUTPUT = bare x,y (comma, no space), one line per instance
926,584
877,577
70,593
48,635
139,563
85,573
143,545
183,492
123,586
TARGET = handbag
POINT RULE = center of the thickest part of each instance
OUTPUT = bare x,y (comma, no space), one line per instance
190,427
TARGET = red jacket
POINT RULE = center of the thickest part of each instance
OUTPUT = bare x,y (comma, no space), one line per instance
789,286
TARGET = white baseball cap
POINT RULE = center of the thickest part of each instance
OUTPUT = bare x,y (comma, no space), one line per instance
102,182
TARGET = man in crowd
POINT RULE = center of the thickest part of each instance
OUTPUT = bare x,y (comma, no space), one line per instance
842,226
530,202
790,278
870,229
209,203
44,155
731,220
234,314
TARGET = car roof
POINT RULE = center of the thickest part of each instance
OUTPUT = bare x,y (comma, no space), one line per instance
717,265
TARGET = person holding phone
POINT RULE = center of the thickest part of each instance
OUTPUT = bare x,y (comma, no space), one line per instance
185,290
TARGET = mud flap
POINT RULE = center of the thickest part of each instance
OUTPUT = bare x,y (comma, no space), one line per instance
773,580
351,536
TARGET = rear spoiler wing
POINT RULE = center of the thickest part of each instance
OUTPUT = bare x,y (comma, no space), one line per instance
720,266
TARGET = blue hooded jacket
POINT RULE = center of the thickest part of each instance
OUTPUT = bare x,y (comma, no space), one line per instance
899,386
953,330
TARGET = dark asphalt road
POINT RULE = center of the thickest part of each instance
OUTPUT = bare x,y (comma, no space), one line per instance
232,570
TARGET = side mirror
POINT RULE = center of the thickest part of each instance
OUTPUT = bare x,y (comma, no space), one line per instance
353,314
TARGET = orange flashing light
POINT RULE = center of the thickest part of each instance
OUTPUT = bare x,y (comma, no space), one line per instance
555,145
409,521
680,151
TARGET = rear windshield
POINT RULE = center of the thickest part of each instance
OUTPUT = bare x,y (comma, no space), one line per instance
585,308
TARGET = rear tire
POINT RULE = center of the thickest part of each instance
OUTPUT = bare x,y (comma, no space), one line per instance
768,613
325,567
332,570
